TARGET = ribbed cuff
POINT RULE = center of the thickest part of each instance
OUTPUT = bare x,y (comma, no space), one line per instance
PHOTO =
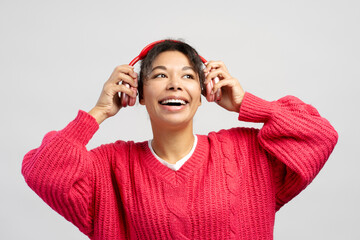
255,109
81,129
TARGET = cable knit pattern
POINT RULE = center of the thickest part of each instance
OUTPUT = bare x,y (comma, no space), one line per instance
230,188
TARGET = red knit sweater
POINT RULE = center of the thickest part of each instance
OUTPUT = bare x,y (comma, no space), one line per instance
230,188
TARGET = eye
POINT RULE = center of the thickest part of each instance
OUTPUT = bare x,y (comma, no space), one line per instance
189,76
160,75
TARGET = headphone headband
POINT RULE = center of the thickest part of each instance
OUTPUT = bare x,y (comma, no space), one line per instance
146,49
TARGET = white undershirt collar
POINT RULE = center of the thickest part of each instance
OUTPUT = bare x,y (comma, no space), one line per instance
176,166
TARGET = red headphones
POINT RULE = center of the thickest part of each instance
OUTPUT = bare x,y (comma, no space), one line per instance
146,49
126,100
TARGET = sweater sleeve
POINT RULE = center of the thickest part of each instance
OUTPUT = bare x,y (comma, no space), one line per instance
60,171
297,139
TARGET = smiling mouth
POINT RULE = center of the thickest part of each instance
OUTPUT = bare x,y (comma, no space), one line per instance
173,102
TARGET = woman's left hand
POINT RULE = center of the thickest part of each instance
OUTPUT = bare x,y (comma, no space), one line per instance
232,93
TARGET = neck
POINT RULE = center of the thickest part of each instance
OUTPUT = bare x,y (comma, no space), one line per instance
172,144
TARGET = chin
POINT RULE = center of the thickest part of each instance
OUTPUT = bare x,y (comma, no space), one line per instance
174,122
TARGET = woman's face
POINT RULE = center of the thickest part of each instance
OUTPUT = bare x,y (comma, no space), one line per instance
171,92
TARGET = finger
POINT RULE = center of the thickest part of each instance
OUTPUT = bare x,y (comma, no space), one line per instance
214,65
212,96
124,78
128,79
217,73
130,71
125,69
132,100
217,95
122,88
127,100
223,83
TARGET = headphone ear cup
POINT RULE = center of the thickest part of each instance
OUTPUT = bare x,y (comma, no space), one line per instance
132,100
217,94
209,86
124,97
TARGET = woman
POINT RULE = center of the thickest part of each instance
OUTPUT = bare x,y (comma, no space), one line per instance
227,185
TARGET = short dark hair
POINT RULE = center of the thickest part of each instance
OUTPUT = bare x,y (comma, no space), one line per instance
170,45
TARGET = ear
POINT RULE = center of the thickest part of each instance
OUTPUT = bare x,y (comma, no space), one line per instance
142,101
201,94
200,100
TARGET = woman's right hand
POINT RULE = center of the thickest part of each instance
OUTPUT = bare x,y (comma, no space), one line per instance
109,102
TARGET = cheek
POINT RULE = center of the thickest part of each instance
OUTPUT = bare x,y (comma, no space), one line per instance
146,88
151,92
195,90
145,94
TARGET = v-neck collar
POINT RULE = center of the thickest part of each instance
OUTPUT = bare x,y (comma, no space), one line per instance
200,154
176,166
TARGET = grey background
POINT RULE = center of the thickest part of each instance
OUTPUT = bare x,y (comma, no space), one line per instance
56,55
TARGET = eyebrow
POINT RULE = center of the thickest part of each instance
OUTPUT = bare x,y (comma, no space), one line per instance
164,68
158,67
187,68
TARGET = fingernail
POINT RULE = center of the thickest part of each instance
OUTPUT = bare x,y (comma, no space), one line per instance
218,96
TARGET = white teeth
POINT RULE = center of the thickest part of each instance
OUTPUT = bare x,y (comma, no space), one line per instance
182,102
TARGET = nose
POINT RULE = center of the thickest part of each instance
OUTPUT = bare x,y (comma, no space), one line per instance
174,84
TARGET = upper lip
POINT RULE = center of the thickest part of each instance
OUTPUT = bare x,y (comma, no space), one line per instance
174,97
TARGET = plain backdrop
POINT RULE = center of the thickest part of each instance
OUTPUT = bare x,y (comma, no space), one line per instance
56,55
